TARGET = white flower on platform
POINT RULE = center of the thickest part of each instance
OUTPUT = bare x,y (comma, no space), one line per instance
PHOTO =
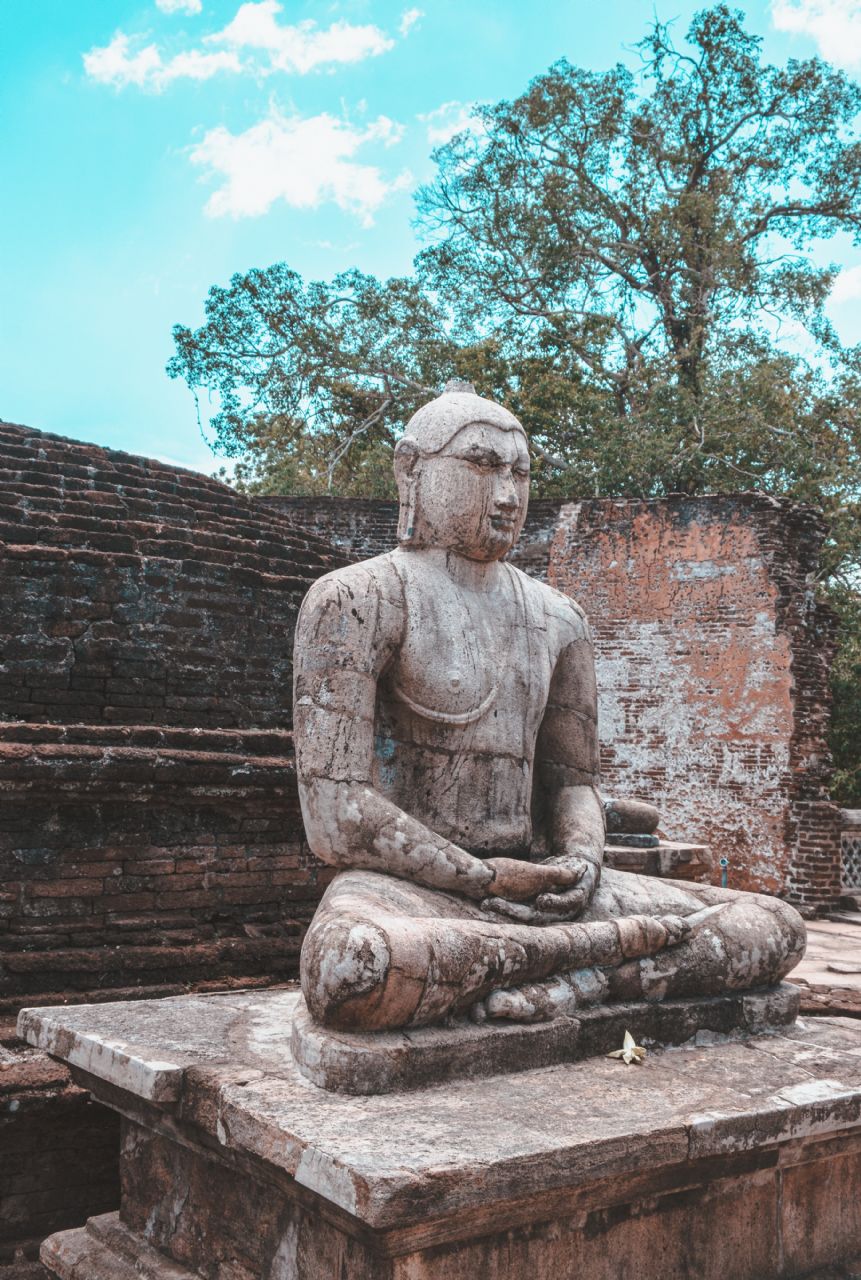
630,1051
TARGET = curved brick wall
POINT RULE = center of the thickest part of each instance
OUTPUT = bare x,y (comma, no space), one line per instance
135,593
150,831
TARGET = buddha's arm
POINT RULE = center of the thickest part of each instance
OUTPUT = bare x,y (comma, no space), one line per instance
348,631
568,769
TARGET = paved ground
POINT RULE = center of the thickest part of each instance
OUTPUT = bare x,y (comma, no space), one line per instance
830,973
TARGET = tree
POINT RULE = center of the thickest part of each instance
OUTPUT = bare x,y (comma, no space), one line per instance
845,732
625,261
609,254
646,232
652,241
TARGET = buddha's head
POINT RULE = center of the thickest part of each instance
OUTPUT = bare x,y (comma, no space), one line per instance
462,468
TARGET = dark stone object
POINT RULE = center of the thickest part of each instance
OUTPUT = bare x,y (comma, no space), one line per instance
628,841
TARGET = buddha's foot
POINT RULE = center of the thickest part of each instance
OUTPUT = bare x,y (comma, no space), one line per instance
567,992
542,1001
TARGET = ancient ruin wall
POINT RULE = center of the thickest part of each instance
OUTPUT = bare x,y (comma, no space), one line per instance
713,659
713,671
137,593
150,831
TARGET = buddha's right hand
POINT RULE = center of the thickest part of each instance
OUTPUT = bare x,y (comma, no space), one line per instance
518,881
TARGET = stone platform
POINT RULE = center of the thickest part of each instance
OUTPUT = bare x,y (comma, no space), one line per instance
734,1158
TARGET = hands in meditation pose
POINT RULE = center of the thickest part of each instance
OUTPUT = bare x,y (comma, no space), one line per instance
447,751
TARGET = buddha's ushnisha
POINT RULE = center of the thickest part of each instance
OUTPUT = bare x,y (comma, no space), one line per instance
447,751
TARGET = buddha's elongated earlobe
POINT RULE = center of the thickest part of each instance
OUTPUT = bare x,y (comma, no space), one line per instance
407,475
407,513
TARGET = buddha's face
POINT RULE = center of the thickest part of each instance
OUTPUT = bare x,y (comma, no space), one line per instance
471,497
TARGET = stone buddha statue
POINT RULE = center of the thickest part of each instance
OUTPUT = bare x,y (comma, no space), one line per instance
447,754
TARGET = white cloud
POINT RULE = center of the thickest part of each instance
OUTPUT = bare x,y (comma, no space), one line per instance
409,18
301,47
115,64
195,65
847,286
304,162
447,120
254,30
835,26
179,6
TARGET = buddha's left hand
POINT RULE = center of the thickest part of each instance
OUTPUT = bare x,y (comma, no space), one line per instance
552,908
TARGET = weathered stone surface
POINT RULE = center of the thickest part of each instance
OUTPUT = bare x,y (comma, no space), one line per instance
829,977
626,841
729,1158
445,713
376,1156
107,1250
626,816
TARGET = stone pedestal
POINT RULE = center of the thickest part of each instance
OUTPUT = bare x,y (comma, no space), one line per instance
733,1157
393,1061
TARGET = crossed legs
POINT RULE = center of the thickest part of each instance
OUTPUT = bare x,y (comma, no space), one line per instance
383,953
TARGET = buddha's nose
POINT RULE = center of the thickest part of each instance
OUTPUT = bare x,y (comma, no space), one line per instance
506,495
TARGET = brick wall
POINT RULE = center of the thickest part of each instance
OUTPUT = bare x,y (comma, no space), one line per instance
150,830
713,672
713,658
143,856
153,837
137,593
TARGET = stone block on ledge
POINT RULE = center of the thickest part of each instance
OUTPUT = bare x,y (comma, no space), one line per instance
669,859
389,1061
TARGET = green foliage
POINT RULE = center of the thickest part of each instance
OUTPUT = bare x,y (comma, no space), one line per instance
845,732
616,257
642,235
311,380
608,254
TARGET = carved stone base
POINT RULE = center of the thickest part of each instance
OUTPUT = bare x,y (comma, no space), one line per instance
735,1158
385,1062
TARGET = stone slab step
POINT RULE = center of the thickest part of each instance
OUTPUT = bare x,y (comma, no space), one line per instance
106,1250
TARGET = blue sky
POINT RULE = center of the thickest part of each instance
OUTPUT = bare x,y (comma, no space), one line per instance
150,149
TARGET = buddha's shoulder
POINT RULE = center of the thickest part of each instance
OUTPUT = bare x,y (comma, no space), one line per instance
370,583
559,611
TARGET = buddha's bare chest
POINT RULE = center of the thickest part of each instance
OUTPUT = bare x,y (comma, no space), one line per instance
470,666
